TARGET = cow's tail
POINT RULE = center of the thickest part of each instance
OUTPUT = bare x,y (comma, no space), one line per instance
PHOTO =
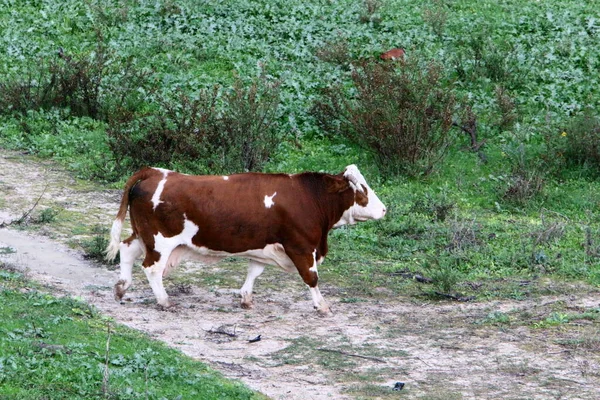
117,226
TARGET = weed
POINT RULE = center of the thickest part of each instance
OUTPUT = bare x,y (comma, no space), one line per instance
46,216
95,247
334,51
369,13
507,108
527,180
495,318
443,272
436,17
196,135
406,128
580,141
439,208
463,235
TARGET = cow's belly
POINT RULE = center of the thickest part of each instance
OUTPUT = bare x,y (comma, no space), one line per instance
180,247
271,254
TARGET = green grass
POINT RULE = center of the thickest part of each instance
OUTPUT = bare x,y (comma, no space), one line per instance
55,348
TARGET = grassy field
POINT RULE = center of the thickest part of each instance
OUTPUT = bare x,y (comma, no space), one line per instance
61,348
511,214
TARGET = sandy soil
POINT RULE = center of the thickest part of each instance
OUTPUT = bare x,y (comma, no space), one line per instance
439,350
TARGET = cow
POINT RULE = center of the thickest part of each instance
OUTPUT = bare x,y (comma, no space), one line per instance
393,54
270,219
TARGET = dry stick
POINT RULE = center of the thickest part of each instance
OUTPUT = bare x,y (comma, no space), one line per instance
223,332
27,213
472,131
106,371
353,355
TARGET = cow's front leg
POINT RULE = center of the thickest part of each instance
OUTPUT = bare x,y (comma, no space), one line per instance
154,267
307,267
254,271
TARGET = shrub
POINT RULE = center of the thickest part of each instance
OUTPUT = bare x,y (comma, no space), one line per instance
67,81
95,246
436,17
214,132
334,51
527,178
582,144
401,111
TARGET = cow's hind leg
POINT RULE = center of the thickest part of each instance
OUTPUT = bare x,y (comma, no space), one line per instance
154,267
307,267
254,271
129,250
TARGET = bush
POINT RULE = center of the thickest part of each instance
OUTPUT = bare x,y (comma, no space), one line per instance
527,178
200,135
582,144
67,81
401,111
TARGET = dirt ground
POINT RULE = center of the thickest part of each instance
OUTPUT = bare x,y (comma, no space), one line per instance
439,350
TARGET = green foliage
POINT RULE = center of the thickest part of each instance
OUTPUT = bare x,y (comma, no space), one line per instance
54,348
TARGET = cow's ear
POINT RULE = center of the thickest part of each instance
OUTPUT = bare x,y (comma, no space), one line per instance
336,183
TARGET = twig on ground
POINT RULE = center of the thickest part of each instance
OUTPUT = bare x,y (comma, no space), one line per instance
222,331
26,213
453,297
380,360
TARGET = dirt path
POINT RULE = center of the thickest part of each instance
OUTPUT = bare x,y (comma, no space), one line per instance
440,350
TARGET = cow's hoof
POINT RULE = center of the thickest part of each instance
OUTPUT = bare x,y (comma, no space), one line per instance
168,306
120,290
324,311
247,305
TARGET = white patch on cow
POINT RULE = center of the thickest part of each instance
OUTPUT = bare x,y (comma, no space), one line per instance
165,245
225,178
374,209
269,201
314,267
159,189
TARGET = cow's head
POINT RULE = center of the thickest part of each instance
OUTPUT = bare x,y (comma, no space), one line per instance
366,203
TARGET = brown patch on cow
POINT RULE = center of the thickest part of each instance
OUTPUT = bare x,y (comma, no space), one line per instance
336,183
129,240
151,258
362,199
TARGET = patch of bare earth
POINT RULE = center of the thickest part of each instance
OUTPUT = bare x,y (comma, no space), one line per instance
439,350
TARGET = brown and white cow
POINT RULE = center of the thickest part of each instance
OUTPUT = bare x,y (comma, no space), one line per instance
269,219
